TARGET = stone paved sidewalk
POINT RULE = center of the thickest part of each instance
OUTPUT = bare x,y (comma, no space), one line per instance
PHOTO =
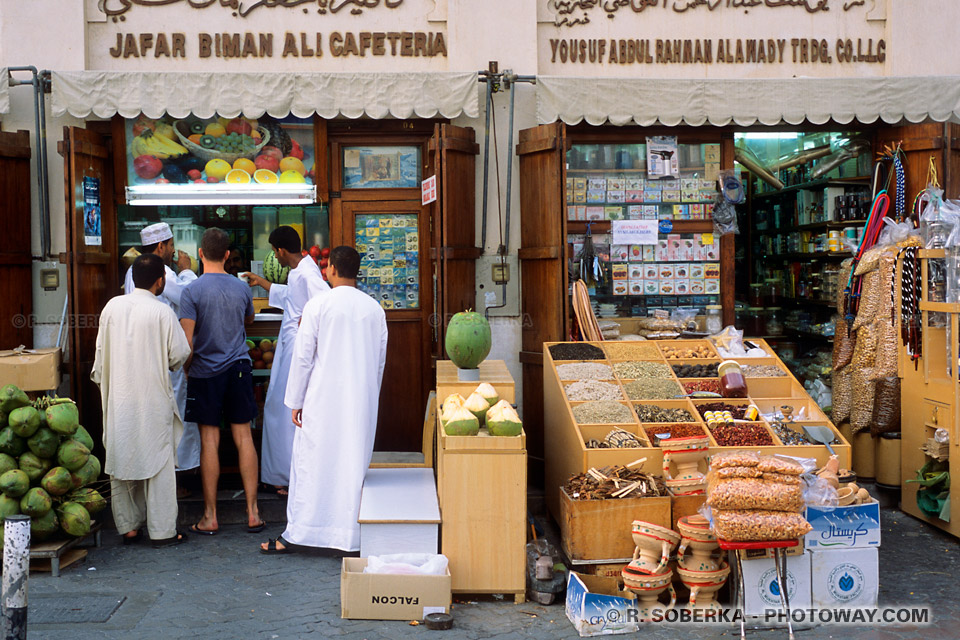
221,587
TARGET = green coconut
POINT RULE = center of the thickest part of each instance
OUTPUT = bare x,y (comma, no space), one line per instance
8,507
87,473
91,499
451,402
74,519
476,405
44,526
12,397
44,442
34,466
468,339
72,454
7,463
36,502
63,418
82,436
489,394
24,421
462,422
14,483
57,481
3,419
10,443
502,420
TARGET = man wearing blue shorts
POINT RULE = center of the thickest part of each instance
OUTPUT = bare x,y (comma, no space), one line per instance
214,312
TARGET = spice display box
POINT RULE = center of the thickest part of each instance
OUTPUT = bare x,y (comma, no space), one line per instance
567,441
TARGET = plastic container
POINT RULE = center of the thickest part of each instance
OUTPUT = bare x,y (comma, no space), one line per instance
732,382
714,321
888,460
774,323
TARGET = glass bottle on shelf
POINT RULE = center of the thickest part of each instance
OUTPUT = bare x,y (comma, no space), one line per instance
774,324
714,322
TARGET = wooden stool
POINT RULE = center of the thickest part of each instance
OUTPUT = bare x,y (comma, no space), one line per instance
780,564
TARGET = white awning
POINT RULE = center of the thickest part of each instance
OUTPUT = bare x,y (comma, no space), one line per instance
376,95
4,91
747,102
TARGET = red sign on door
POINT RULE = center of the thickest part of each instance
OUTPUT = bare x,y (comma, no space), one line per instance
428,190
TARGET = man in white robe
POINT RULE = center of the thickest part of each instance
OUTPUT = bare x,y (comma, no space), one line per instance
139,342
158,240
333,392
303,282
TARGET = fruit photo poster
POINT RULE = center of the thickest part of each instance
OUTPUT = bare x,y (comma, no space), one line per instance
92,236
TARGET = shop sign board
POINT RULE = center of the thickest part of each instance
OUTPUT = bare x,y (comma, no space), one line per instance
635,231
844,527
847,579
428,190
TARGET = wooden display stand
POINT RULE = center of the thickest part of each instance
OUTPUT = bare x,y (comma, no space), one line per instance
565,440
929,400
482,487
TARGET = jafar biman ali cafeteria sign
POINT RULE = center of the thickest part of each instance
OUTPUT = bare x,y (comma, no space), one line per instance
765,50
250,44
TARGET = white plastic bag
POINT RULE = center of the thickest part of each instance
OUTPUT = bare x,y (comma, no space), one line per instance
413,564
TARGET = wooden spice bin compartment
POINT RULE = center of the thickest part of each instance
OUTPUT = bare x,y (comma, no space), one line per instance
482,490
566,454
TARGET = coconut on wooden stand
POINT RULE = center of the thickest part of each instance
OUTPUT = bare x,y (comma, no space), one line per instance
468,343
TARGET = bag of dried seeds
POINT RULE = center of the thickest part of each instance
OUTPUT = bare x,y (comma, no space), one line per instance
734,459
784,465
869,299
737,472
844,343
754,493
842,394
864,357
886,406
888,334
747,526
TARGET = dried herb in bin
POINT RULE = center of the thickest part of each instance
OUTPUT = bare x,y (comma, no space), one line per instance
736,410
602,412
742,435
654,413
576,351
674,431
652,389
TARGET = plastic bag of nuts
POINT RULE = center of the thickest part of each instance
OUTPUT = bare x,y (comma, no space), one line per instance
734,459
780,464
754,493
739,525
738,472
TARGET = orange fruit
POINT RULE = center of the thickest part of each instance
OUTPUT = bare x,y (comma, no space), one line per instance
246,164
195,138
265,176
238,176
217,168
215,129
292,177
293,164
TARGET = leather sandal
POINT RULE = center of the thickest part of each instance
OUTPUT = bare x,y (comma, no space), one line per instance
180,538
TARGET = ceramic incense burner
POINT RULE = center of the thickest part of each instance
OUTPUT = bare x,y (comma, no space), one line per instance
654,544
686,454
703,587
648,588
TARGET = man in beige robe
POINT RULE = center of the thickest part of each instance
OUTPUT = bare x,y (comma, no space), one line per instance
139,342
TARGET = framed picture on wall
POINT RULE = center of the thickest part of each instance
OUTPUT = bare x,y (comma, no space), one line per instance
381,167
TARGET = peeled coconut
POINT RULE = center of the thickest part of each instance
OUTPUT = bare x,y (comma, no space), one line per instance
477,406
503,420
461,422
489,394
451,402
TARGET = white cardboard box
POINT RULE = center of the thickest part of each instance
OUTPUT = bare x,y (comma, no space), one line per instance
761,588
597,606
380,596
399,512
847,578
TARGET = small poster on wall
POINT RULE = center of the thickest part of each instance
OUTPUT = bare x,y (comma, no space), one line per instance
92,235
662,157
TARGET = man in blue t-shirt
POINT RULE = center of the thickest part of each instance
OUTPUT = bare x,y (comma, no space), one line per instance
214,312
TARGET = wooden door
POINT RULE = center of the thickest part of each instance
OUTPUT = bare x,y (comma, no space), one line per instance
16,296
407,376
543,271
90,259
453,156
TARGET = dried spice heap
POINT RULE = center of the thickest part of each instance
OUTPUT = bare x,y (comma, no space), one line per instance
652,389
688,351
696,370
614,482
763,371
752,434
655,413
584,371
593,390
576,351
788,436
674,431
641,369
602,412
736,410
712,385
639,350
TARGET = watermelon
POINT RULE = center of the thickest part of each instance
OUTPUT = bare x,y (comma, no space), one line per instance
272,271
468,339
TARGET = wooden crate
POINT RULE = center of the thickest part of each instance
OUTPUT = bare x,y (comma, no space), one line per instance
482,488
565,447
494,372
593,530
683,506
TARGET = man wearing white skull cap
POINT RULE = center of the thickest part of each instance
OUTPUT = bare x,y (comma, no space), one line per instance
158,239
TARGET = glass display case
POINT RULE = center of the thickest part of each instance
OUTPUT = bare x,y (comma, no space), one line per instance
607,183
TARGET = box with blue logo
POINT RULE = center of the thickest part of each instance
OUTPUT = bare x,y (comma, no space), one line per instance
762,590
856,526
845,579
598,606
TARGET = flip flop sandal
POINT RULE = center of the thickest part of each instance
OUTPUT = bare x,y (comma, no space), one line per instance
134,538
257,528
273,549
204,532
180,538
